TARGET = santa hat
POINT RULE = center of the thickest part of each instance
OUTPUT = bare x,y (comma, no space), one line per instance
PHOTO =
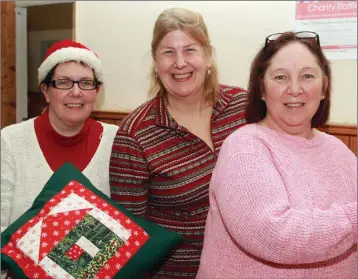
68,50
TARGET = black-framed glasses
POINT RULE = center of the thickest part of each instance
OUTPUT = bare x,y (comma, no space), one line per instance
306,35
84,84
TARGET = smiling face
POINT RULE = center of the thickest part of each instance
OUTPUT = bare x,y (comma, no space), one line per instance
181,64
70,108
293,88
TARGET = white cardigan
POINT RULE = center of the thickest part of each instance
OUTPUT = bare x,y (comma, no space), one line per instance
24,169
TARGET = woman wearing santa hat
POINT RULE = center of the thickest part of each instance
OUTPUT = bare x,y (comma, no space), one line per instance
70,78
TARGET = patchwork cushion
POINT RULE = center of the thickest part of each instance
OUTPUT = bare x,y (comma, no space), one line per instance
74,231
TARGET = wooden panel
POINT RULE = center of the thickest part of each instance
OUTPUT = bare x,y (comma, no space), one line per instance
353,144
345,139
8,64
339,129
346,133
110,117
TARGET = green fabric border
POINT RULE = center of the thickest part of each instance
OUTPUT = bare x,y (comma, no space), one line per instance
159,244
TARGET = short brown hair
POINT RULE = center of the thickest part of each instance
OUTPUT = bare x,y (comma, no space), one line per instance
256,108
193,24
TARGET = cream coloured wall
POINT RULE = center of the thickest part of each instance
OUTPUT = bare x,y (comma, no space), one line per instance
120,32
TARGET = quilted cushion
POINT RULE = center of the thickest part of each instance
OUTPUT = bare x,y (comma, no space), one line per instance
74,231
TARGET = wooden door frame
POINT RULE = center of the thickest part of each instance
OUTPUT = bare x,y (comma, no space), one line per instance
8,70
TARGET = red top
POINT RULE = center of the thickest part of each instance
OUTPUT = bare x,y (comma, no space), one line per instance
161,171
58,149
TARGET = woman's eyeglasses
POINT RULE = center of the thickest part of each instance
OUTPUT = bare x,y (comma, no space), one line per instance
306,35
84,84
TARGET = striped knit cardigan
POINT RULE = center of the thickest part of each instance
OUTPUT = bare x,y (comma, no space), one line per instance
161,171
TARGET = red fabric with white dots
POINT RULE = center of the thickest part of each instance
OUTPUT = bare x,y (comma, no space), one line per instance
50,226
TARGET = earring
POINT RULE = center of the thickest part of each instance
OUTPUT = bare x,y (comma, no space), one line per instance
263,99
209,71
322,97
156,73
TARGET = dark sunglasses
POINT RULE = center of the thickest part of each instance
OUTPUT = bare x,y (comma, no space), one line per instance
306,35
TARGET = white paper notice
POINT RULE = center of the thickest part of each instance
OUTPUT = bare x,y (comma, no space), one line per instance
334,21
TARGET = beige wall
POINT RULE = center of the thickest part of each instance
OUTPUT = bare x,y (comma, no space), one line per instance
45,23
120,32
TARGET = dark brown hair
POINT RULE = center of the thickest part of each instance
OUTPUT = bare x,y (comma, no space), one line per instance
256,108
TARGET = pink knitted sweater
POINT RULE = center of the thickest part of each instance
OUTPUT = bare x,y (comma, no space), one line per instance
281,207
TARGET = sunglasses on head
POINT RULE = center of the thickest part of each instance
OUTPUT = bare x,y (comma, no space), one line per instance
306,35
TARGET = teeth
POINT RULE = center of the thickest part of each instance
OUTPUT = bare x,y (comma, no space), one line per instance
74,105
182,76
294,105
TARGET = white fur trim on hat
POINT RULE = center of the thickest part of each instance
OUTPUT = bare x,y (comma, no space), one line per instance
68,54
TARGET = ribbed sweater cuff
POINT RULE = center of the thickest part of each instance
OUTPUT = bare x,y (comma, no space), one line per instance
351,211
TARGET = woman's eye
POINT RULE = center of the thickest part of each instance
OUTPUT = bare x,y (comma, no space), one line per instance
190,49
63,82
87,82
280,77
307,76
168,52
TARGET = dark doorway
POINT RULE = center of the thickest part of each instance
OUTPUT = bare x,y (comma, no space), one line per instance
46,24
